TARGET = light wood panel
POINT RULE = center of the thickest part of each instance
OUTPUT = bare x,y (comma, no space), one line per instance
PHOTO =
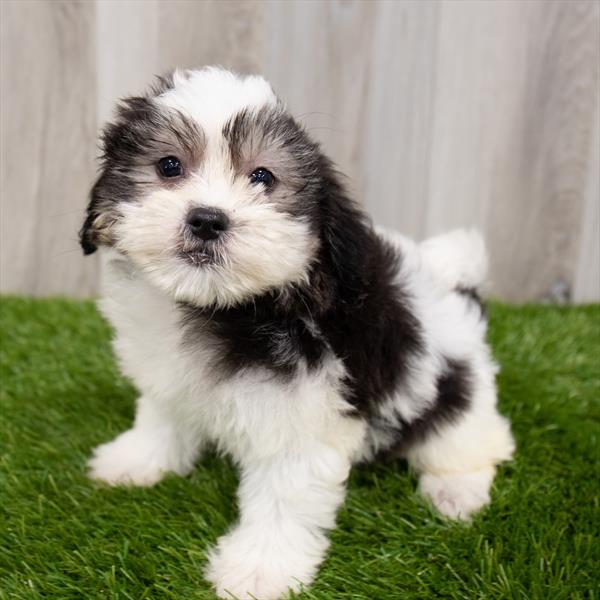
317,58
441,114
396,149
126,50
537,197
587,274
47,148
229,33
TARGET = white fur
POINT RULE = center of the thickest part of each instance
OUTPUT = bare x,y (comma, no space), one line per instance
458,258
294,442
149,229
211,96
458,495
288,503
455,259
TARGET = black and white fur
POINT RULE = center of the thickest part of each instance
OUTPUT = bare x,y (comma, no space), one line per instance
299,342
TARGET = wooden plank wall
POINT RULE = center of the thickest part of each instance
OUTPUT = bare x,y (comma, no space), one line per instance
48,123
442,114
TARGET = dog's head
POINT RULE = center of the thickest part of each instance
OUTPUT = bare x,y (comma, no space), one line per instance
211,189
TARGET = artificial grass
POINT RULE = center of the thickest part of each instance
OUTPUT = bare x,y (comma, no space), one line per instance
65,537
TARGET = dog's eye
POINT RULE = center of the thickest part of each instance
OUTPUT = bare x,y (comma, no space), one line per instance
263,176
170,166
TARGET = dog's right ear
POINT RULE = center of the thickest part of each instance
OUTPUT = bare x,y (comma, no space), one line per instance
86,235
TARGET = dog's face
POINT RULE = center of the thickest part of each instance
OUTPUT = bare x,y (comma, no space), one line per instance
210,188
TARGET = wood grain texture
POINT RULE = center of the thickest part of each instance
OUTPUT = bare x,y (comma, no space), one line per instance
441,114
126,50
229,33
396,148
47,152
454,114
322,71
587,275
534,217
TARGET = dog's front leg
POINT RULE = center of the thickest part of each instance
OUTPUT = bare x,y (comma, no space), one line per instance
287,504
158,443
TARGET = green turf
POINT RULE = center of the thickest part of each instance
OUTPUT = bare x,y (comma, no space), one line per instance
65,537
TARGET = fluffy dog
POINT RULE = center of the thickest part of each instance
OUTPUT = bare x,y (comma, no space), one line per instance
256,309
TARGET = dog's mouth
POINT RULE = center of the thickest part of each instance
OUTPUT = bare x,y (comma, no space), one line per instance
198,258
199,253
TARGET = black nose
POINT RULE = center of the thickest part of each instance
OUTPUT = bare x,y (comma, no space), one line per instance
207,223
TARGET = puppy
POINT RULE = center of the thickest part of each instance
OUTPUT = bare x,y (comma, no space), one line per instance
257,310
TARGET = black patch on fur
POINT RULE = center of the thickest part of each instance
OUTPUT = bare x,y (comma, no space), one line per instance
370,325
258,334
453,398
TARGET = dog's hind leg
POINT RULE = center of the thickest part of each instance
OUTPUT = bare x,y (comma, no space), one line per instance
457,460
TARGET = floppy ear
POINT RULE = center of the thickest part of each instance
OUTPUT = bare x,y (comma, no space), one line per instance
86,234
89,234
347,237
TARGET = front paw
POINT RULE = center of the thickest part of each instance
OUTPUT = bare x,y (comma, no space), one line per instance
250,564
132,458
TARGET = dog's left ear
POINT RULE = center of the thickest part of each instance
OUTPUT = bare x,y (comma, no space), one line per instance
347,237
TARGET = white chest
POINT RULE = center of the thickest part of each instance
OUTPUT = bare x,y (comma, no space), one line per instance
250,412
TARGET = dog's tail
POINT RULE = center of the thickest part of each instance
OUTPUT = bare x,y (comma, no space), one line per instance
457,259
